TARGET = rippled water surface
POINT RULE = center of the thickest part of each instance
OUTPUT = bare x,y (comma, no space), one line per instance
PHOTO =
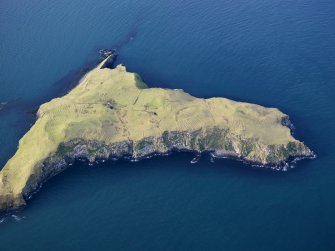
274,53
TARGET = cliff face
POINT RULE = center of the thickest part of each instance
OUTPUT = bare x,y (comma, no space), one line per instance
113,114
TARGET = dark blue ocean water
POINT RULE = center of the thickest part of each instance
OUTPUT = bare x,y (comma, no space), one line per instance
277,53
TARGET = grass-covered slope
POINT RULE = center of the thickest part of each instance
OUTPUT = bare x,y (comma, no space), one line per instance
113,113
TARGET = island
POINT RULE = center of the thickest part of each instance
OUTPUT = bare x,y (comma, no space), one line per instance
113,114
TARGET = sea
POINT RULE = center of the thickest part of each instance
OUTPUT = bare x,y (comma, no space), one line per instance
276,53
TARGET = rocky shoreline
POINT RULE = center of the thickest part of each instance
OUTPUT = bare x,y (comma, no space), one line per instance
58,163
80,150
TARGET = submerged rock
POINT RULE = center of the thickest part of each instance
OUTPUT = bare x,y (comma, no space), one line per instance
2,105
113,114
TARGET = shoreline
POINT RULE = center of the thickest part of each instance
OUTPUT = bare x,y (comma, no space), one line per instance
282,167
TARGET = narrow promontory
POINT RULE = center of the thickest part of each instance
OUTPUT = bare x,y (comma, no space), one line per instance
112,113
